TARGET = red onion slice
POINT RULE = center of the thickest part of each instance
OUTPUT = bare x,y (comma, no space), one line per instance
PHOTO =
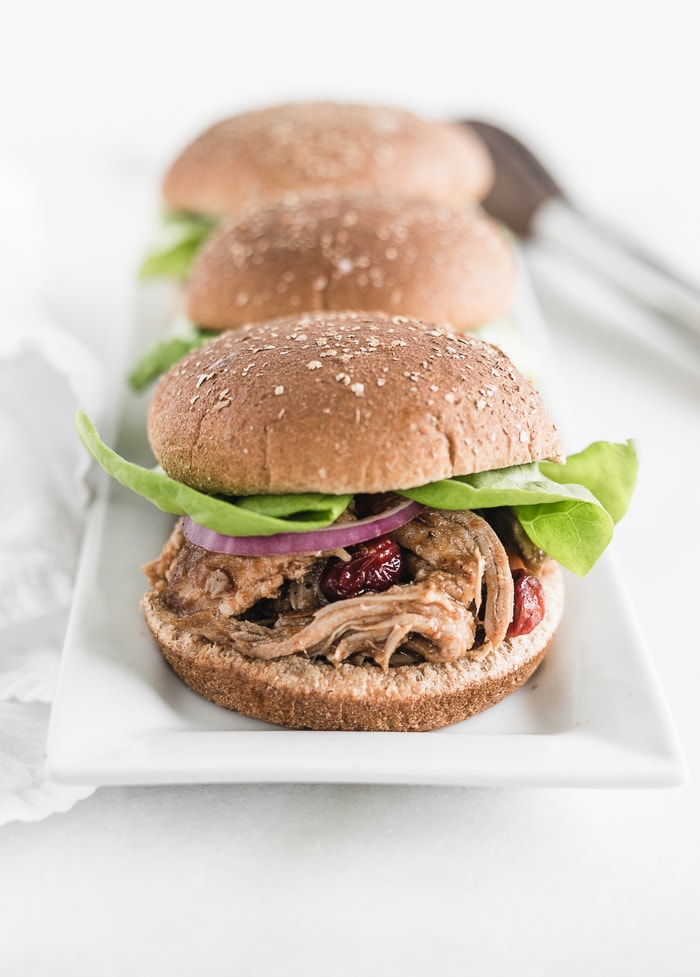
282,544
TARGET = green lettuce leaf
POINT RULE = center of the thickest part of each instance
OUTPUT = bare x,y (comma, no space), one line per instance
575,534
177,241
253,516
568,510
569,520
162,356
519,485
608,470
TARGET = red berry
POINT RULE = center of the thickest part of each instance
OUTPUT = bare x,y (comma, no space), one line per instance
373,566
528,603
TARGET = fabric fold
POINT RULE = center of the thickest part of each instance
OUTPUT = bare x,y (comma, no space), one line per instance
46,374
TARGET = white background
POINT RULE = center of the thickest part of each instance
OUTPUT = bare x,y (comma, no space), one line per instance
334,880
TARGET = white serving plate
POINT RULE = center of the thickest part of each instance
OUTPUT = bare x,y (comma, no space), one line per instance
592,715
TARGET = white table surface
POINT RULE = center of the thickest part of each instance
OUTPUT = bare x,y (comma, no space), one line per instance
349,879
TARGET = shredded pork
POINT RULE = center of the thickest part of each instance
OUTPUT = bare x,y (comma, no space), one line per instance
457,598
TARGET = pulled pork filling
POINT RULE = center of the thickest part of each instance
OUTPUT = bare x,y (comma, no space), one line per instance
454,597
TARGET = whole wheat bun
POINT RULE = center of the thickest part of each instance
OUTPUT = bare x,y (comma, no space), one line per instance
343,403
379,254
299,693
319,147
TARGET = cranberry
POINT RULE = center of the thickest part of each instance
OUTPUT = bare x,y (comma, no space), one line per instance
528,603
373,566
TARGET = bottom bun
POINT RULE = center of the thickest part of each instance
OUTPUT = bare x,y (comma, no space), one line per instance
302,694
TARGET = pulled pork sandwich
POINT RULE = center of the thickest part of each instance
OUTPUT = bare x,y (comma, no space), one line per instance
308,150
379,254
370,538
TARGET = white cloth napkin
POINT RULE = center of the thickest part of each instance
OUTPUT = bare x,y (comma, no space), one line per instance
45,375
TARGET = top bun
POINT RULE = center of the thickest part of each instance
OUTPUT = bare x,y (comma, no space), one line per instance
343,403
378,254
320,147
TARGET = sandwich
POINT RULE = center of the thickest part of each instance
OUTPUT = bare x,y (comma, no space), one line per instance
379,254
374,517
305,150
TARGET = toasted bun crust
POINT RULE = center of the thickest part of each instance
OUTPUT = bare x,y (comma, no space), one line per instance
302,694
320,147
378,254
342,403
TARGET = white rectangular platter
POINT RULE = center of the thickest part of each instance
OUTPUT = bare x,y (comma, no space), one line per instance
592,715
